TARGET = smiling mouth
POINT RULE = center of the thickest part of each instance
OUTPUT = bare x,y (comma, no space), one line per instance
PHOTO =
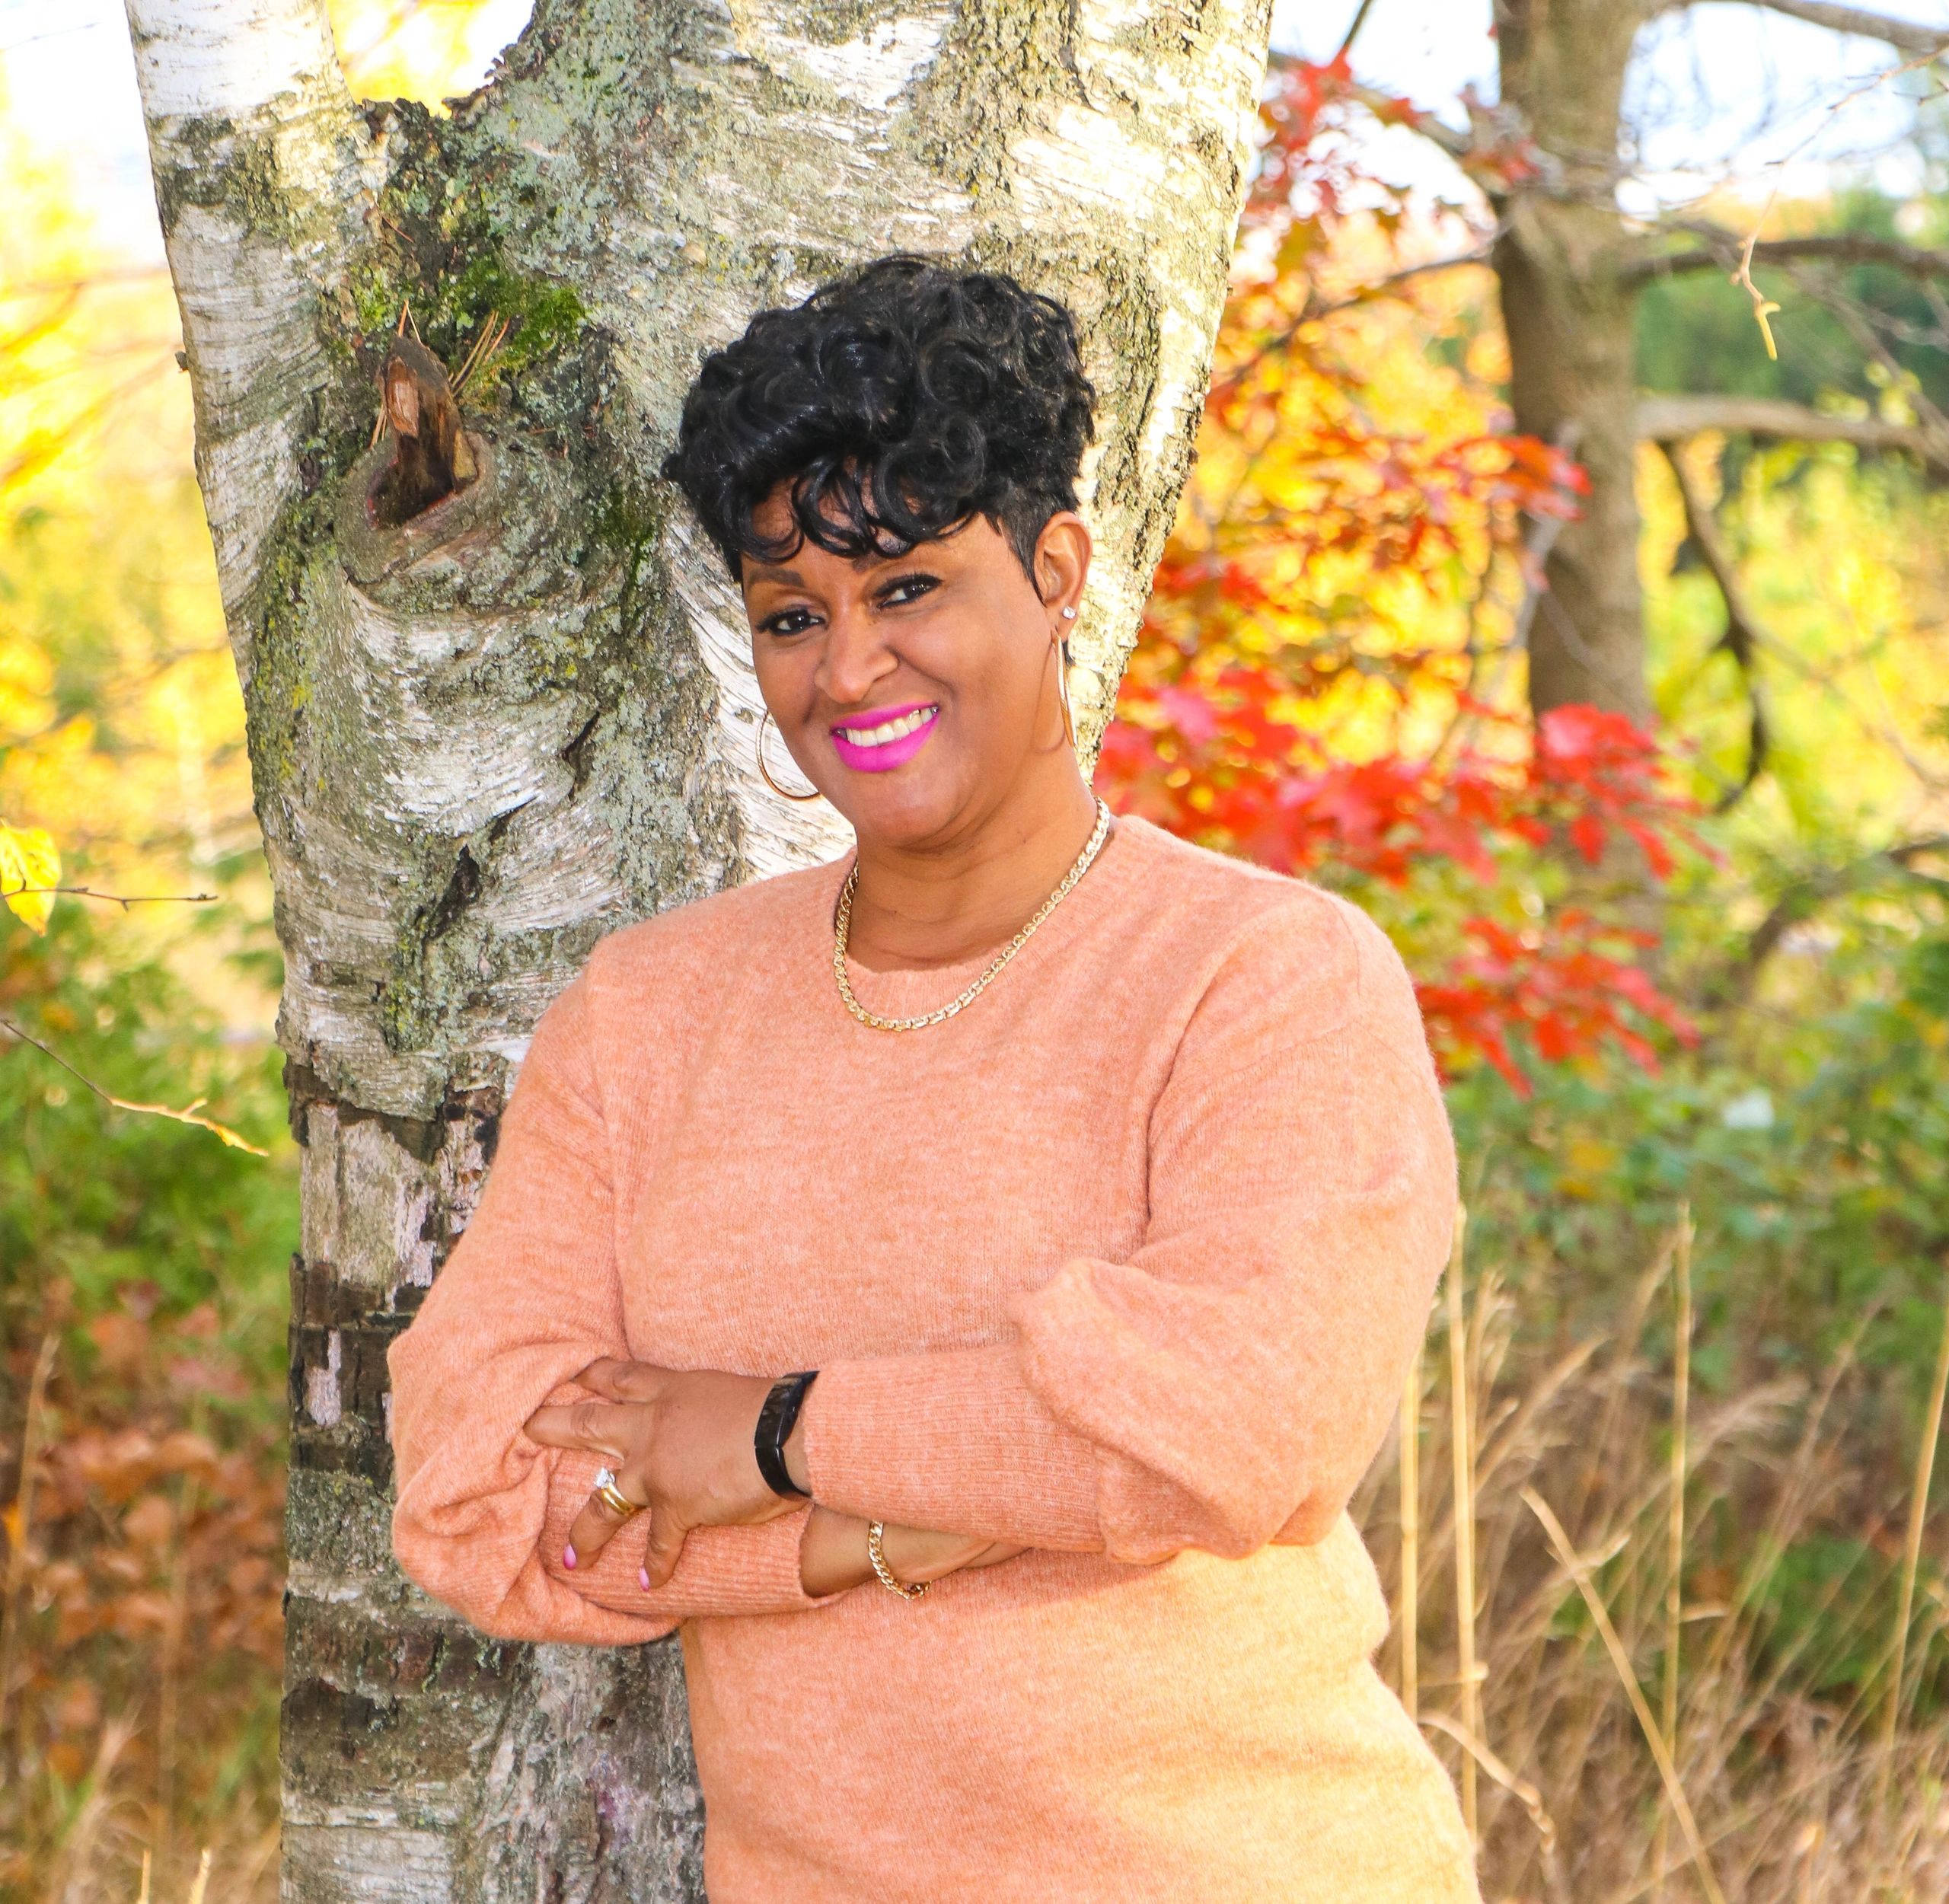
888,731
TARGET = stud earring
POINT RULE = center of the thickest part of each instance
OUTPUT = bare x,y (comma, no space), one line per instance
764,772
1069,614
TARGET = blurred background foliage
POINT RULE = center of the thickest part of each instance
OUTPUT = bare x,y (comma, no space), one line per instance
1330,679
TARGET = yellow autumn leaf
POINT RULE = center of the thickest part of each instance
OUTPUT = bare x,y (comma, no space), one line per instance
30,866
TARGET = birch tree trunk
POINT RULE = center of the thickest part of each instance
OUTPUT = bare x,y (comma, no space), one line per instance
485,733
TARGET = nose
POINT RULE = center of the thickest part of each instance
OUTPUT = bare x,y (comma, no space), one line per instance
854,657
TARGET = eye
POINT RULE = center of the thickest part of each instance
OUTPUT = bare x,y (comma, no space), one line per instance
788,621
904,589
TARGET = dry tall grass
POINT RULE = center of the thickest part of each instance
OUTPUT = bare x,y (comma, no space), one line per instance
1624,1535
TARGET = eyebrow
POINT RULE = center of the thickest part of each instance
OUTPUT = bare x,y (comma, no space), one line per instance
764,572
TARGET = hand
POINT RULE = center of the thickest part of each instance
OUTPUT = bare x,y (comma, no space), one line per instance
832,1555
680,1441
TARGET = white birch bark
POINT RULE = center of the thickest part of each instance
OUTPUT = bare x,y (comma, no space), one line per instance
483,738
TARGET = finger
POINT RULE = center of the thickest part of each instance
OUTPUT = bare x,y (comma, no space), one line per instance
595,1526
666,1548
618,1380
594,1427
600,1375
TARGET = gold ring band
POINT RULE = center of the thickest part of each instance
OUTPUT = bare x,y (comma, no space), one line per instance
613,1497
875,1533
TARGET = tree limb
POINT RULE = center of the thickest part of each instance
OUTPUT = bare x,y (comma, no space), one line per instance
1312,311
1541,539
1457,145
191,1113
1854,318
1906,36
1492,129
1742,636
124,900
1352,32
1805,896
1668,418
1721,250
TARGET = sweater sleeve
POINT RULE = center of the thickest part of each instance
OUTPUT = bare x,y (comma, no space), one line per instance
531,1296
1229,1384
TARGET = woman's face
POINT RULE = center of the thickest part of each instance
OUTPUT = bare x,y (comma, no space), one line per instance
917,693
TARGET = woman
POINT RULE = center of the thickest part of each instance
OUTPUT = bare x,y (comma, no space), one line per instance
960,1286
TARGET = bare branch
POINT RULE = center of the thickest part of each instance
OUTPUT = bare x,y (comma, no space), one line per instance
1384,287
191,1113
1721,249
114,899
1908,36
1352,32
1742,275
1457,145
1541,539
1857,320
1664,420
1742,635
1804,896
1312,311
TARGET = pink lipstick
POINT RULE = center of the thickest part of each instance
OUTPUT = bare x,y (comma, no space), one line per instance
885,737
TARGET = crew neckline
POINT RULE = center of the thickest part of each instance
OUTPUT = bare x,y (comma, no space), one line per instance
908,990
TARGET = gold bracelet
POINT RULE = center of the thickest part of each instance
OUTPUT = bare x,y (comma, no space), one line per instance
875,1533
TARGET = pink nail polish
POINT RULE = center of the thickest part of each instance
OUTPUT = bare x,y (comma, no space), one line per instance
643,1578
569,1558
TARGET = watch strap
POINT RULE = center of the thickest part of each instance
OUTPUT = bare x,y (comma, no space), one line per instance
777,1420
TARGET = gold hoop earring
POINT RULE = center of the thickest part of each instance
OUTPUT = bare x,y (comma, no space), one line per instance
1062,687
764,772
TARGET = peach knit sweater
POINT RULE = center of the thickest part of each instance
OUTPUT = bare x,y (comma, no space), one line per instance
1126,1262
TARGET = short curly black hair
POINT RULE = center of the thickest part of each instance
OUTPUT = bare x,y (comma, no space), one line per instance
898,402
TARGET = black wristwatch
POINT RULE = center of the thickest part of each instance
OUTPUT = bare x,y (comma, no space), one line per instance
777,1420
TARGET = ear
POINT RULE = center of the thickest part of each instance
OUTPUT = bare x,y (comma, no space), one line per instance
1062,561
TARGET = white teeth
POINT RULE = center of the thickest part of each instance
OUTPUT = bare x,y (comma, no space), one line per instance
889,730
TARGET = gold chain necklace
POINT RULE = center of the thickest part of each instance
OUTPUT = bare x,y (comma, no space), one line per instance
843,927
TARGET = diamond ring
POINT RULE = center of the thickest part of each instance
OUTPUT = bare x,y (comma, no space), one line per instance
613,1497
